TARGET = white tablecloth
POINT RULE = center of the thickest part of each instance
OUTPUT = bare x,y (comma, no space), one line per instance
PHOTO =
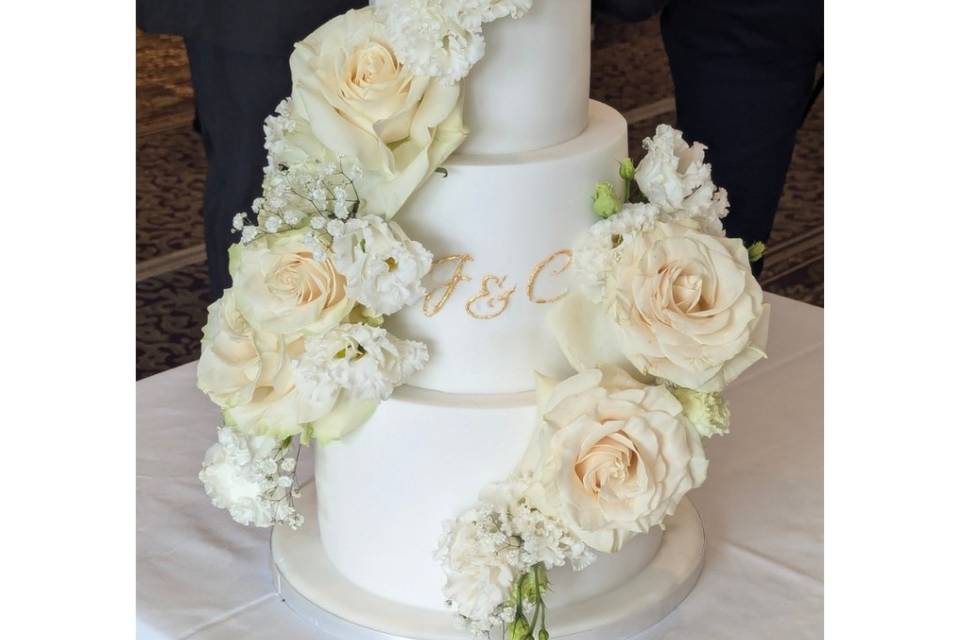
199,575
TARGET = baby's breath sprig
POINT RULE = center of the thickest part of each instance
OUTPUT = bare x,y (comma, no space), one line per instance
295,195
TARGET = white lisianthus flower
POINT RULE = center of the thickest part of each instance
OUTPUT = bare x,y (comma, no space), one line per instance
674,177
280,288
383,267
596,251
708,412
353,97
443,38
246,475
429,41
479,567
485,550
613,458
679,304
366,362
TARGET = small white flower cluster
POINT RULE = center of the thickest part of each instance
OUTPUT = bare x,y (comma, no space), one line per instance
383,267
252,478
276,128
674,177
487,548
596,251
442,38
678,187
295,193
366,362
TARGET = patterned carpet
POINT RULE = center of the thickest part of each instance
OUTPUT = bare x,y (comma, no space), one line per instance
630,72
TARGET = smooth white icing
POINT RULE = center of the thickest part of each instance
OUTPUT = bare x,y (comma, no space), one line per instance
385,490
531,88
338,609
509,213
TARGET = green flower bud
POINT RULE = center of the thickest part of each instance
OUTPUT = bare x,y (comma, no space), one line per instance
540,573
627,170
543,635
519,629
756,251
708,412
605,200
529,592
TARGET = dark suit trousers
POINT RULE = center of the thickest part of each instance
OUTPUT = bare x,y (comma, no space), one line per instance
234,92
744,74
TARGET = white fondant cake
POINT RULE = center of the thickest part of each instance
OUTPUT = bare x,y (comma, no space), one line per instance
508,351
515,197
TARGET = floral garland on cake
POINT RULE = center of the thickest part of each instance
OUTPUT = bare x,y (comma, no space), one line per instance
665,314
295,351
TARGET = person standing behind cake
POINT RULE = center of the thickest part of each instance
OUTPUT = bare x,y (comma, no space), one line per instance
744,76
239,52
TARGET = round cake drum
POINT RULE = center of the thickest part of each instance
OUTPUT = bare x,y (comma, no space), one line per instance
339,610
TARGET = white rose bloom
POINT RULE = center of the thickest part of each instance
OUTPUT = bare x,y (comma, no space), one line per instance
251,376
679,304
229,358
240,475
674,177
383,267
353,97
613,458
367,362
282,289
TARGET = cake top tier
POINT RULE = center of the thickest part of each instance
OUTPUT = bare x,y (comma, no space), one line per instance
531,89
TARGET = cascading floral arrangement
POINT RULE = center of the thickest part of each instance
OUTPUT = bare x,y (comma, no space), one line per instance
295,350
666,313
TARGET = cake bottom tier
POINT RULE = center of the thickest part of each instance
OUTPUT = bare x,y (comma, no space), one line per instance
340,610
385,491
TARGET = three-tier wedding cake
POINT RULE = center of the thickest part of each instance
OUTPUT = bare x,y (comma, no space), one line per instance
506,393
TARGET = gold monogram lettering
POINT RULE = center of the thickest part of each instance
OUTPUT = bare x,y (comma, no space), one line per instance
430,308
496,304
537,270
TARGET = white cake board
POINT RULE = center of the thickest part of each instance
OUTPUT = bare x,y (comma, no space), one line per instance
340,610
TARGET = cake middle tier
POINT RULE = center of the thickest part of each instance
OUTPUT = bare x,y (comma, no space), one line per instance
501,229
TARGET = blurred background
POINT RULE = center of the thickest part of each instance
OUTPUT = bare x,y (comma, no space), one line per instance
630,73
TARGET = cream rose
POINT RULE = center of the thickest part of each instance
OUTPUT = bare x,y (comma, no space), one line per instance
613,458
355,98
280,288
228,354
252,377
679,304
